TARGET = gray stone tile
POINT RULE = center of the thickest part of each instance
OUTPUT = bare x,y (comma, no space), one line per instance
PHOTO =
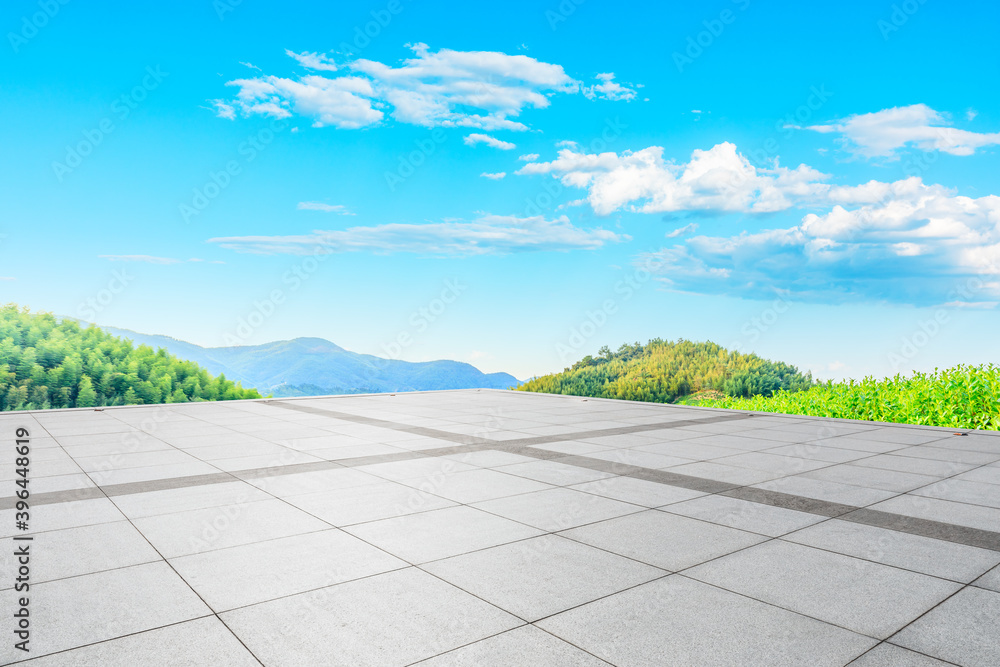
956,455
134,460
526,646
868,598
387,620
874,478
990,580
963,491
690,449
819,452
286,458
96,607
542,576
988,474
197,531
470,486
638,491
664,540
58,516
911,464
489,458
962,630
294,484
684,623
635,457
252,573
427,536
400,470
74,551
170,501
724,473
110,476
370,502
572,447
946,511
744,515
835,492
553,472
557,508
937,558
888,655
781,464
203,641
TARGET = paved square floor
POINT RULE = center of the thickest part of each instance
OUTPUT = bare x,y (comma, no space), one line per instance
498,528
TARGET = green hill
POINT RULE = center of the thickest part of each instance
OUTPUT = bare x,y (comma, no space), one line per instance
665,371
45,363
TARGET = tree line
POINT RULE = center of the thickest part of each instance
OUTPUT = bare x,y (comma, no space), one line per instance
47,363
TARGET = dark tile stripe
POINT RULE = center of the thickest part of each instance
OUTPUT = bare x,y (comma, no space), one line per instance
973,537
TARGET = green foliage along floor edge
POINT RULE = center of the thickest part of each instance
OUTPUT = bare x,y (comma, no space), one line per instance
46,363
966,397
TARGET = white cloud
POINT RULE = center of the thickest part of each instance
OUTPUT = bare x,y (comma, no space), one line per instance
476,138
224,109
608,89
718,179
496,177
681,231
475,89
884,133
316,61
923,246
488,235
529,157
326,208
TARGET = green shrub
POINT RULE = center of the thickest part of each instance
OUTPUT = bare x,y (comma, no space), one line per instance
960,397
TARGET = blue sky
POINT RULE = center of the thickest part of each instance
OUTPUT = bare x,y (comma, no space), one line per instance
816,184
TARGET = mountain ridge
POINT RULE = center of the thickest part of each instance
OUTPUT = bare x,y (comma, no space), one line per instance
312,365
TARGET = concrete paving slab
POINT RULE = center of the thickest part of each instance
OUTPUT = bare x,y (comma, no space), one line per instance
542,576
392,619
197,531
888,655
863,596
638,491
203,641
937,558
526,646
962,630
558,508
470,486
105,605
370,502
427,536
245,575
744,515
664,540
681,622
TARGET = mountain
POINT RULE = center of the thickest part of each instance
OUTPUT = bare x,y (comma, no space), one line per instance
665,371
47,363
314,366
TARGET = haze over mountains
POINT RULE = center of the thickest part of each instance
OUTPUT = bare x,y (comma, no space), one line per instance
314,366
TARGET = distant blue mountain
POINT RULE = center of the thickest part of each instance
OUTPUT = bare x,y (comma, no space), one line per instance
314,366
